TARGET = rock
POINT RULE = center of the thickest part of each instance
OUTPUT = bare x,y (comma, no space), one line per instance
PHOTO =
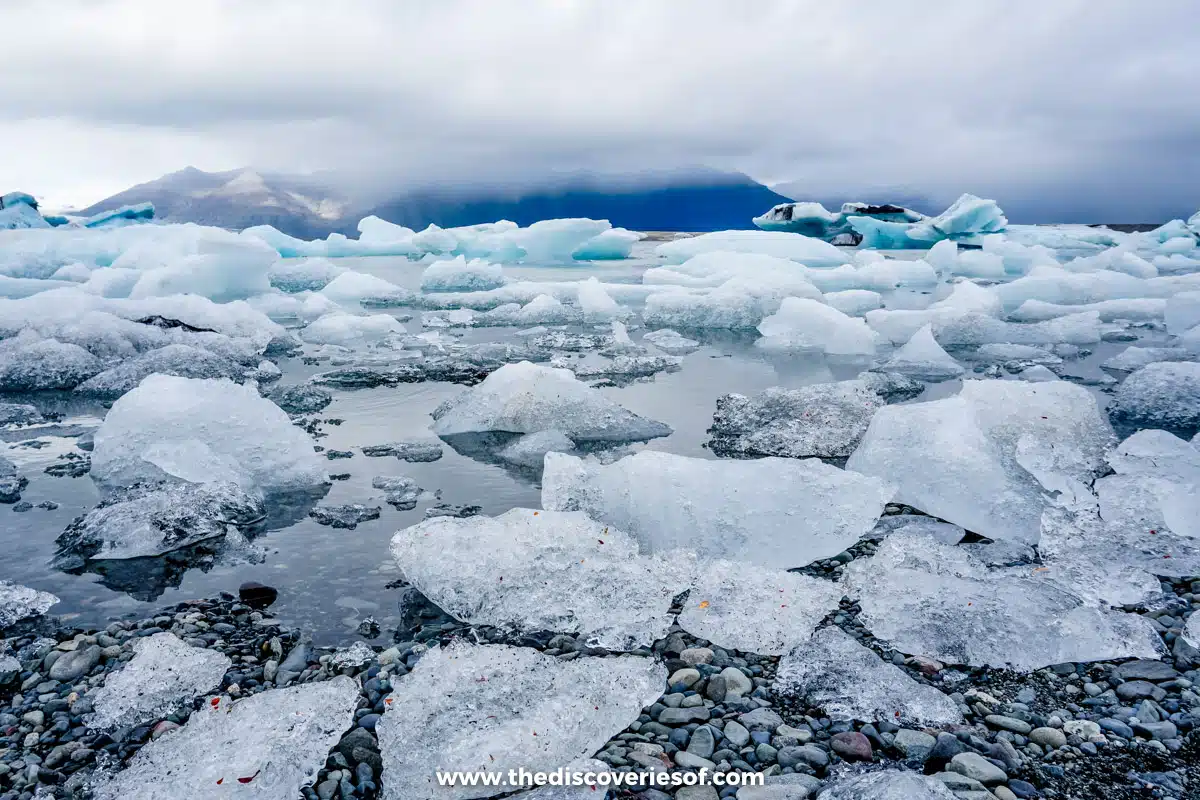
1048,737
1158,731
736,682
257,595
1146,670
682,716
1138,690
1117,727
685,759
976,767
715,689
696,655
1083,728
1008,724
702,742
74,665
735,733
1023,789
686,677
809,754
915,745
696,793
760,718
851,745
34,718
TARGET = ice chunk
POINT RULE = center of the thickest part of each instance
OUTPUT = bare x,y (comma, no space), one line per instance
927,598
1037,374
854,302
796,247
30,364
915,523
608,245
17,415
545,309
1000,353
1156,453
850,682
596,304
471,707
625,368
758,609
375,230
825,420
922,357
530,450
399,491
888,784
300,399
1134,358
532,571
163,675
174,359
20,602
301,275
351,286
350,330
415,451
153,520
460,275
772,512
527,398
670,341
978,329
1136,309
267,745
1191,631
1182,312
1160,395
232,423
967,215
804,324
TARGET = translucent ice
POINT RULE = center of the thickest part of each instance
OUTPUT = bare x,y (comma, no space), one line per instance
888,784
532,571
460,275
825,420
351,286
670,341
351,330
850,682
182,428
1134,358
757,609
163,675
267,745
806,250
1138,309
922,357
527,398
608,245
927,598
596,304
1161,395
29,363
20,602
979,329
175,359
854,302
804,324
530,450
498,708
1191,631
1182,312
772,512
308,274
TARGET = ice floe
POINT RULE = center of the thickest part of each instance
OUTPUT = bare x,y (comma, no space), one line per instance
21,602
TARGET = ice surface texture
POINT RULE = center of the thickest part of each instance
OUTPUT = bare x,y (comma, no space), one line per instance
922,357
850,681
758,609
265,746
825,420
496,708
528,570
460,275
927,598
20,602
30,364
805,324
164,674
527,398
774,512
180,360
1161,395
804,249
202,430
888,784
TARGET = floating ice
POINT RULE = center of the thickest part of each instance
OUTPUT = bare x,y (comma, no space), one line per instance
1160,395
163,675
180,360
927,598
1158,454
17,415
267,745
825,420
527,398
30,364
19,211
850,682
670,341
922,357
416,452
399,491
772,512
854,302
1038,374
966,220
596,304
495,708
309,274
187,429
350,330
757,609
153,520
301,399
532,571
1134,358
611,244
1182,312
813,219
530,450
888,784
806,250
804,324
356,655
625,368
460,275
1137,309
20,602
351,286
978,329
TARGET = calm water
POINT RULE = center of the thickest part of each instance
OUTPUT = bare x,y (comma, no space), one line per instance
330,579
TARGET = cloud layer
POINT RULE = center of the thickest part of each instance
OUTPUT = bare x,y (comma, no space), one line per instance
1060,109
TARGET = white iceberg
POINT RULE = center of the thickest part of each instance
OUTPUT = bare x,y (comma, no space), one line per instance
350,330
794,246
804,324
1161,395
922,357
460,275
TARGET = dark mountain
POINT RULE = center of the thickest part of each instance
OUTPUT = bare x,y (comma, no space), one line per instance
308,208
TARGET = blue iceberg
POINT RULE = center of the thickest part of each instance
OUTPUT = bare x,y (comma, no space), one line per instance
119,217
967,221
813,219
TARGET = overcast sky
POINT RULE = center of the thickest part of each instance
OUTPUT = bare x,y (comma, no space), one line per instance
1059,109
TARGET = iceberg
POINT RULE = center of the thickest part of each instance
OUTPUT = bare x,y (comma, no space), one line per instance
192,259
1163,395
854,302
351,287
804,324
762,610
530,571
803,249
813,219
967,220
670,341
825,420
460,275
139,212
596,303
303,275
973,330
267,745
20,602
180,360
615,243
530,450
771,512
351,330
527,398
1182,312
923,358
1133,358
29,363
171,428
931,599
164,674
850,682
496,708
